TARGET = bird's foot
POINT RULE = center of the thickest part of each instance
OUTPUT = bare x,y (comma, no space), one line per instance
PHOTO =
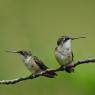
62,68
69,69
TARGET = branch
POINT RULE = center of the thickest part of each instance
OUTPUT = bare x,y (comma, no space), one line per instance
84,61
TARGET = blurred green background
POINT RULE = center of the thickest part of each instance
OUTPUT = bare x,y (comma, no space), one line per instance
36,25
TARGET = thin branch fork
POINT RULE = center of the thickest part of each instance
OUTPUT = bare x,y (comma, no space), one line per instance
30,77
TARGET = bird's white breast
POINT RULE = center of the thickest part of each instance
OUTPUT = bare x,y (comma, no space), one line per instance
62,52
31,64
65,47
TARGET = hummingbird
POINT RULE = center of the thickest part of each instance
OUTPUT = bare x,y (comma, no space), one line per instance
34,64
64,54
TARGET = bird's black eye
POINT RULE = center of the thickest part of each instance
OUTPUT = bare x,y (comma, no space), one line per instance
66,38
22,52
62,39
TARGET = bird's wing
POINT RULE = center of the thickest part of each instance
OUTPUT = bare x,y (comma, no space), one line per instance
72,56
44,67
40,63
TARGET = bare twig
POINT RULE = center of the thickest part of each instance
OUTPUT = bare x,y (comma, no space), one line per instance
13,81
84,61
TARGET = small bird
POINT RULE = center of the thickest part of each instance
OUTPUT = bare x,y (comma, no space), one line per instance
34,64
63,52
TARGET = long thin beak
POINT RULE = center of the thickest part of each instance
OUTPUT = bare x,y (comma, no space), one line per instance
12,51
77,38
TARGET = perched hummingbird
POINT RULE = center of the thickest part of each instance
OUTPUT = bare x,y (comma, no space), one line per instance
63,52
33,64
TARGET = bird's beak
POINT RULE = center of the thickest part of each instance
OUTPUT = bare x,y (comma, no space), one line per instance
12,51
77,38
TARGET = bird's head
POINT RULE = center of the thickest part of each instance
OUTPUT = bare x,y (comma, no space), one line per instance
64,39
23,53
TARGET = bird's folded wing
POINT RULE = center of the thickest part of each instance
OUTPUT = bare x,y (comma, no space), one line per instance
40,63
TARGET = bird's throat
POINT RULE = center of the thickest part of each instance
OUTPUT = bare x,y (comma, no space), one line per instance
66,44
